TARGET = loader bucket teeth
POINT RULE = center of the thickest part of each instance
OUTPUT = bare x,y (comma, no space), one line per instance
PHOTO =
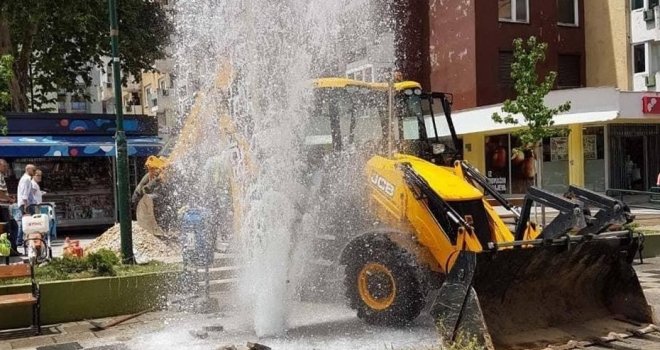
456,309
529,298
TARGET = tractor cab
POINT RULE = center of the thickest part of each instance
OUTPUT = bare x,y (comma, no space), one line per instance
380,118
425,128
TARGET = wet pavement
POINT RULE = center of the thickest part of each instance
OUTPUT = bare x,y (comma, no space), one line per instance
314,326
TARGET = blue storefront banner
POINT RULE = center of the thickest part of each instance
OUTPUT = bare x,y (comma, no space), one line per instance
78,124
75,146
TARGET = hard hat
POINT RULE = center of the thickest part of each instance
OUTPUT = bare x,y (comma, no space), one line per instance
154,163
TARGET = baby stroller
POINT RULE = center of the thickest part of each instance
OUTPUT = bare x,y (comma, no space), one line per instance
37,231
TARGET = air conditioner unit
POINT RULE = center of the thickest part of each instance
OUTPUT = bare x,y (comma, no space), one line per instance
649,80
649,15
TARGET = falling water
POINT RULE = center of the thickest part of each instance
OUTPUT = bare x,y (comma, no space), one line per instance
269,51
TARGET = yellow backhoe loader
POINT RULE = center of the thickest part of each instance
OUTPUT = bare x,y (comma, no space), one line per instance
433,228
429,230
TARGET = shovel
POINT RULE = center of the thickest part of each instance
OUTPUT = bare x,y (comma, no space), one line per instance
99,326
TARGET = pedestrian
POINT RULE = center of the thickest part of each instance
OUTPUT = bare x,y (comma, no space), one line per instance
629,165
37,193
4,194
24,195
6,216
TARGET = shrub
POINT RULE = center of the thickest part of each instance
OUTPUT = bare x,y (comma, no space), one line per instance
103,262
68,265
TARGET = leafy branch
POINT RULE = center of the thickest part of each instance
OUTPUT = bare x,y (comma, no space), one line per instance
530,94
6,62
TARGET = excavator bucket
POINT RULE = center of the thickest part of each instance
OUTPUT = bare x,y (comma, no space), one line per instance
146,217
546,293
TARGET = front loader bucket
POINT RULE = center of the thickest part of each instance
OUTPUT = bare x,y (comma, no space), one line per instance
532,297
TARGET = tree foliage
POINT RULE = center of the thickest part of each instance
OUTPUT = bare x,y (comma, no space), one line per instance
530,94
62,40
6,62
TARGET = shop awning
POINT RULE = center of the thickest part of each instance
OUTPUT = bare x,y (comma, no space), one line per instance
470,122
588,105
75,146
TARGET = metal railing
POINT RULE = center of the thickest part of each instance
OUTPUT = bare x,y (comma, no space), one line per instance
637,199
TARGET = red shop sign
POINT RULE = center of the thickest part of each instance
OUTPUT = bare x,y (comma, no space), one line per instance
651,104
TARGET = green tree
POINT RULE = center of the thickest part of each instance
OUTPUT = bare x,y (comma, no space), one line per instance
6,62
62,40
530,94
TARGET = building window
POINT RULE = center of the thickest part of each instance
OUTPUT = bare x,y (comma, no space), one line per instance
152,97
593,141
555,168
78,104
639,58
368,74
567,12
568,72
162,87
636,4
363,73
504,69
61,103
514,10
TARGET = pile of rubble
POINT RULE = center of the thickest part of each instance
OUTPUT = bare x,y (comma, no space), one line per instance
146,245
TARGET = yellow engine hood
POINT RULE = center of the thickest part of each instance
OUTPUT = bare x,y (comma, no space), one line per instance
441,179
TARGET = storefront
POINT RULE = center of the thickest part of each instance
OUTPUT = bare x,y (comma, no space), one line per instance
612,141
76,154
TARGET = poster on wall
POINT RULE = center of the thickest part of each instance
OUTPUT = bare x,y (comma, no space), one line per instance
497,162
590,147
558,149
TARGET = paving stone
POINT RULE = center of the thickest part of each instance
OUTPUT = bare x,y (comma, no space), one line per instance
64,346
69,337
110,347
124,338
115,332
76,328
32,342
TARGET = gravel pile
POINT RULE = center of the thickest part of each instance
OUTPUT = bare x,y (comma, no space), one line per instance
146,246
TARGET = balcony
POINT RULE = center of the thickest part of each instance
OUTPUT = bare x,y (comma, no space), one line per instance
133,109
653,17
644,25
165,100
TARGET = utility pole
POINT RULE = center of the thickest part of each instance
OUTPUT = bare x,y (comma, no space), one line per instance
126,234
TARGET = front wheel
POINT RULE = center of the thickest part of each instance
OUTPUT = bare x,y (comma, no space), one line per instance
385,285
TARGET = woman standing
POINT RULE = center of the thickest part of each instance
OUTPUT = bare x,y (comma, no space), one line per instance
37,193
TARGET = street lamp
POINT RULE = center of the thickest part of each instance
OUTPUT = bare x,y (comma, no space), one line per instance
120,145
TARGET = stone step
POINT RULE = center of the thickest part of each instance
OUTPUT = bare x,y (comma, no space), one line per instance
220,272
219,285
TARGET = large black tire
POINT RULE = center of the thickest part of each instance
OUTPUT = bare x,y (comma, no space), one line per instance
393,282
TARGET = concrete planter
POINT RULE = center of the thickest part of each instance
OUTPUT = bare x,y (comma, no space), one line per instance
77,300
651,245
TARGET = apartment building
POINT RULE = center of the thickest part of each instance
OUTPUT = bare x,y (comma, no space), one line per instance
645,44
606,55
392,37
471,45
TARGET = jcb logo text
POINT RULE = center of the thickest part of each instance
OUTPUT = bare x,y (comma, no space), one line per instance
382,184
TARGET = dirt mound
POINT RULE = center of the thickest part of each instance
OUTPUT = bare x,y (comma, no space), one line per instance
146,246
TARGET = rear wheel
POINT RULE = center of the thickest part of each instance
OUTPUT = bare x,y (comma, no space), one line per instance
385,285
